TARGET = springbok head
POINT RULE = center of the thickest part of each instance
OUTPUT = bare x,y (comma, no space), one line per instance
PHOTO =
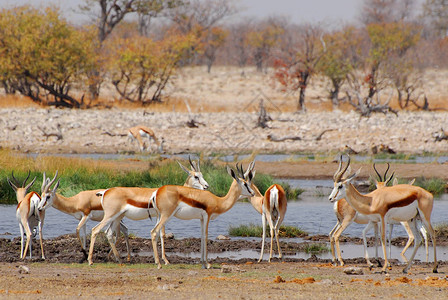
48,194
382,181
244,180
195,178
340,181
21,189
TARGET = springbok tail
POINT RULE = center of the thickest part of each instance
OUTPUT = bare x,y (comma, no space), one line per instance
152,202
274,205
101,194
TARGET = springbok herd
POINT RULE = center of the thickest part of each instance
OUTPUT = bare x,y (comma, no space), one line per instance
400,203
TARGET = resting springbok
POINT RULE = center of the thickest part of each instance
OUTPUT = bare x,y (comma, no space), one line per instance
272,207
134,203
397,203
187,203
139,132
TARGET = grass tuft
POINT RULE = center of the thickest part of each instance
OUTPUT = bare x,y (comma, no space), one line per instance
315,248
253,230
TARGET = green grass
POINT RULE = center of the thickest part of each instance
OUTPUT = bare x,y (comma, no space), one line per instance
78,175
253,230
292,194
315,248
436,186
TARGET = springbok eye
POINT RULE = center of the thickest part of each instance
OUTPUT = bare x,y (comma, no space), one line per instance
340,187
196,177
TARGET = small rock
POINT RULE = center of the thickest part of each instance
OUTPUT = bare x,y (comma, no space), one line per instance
222,237
24,269
169,236
230,269
353,271
325,282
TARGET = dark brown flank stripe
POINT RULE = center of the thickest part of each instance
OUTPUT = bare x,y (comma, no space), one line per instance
192,202
97,207
404,202
137,204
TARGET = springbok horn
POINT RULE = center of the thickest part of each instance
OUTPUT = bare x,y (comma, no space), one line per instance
51,182
389,179
191,164
24,182
44,180
336,175
377,173
30,184
249,168
385,173
16,182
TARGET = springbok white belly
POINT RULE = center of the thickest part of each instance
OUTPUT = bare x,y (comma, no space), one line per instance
96,215
137,213
400,214
187,212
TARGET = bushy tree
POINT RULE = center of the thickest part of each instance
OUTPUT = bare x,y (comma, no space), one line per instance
42,56
141,67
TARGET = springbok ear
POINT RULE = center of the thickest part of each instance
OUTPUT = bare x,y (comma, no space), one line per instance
232,173
183,168
351,177
253,174
30,184
395,182
11,184
56,186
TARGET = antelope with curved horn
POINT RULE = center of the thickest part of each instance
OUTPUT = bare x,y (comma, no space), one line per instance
272,207
84,206
134,203
396,203
27,214
188,203
346,215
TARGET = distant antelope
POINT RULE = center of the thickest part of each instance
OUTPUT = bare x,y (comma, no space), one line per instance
139,132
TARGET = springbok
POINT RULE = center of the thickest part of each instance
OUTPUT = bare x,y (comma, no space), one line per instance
139,132
134,203
187,203
84,206
272,207
27,214
397,203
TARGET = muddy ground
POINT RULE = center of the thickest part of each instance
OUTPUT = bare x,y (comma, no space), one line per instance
64,274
